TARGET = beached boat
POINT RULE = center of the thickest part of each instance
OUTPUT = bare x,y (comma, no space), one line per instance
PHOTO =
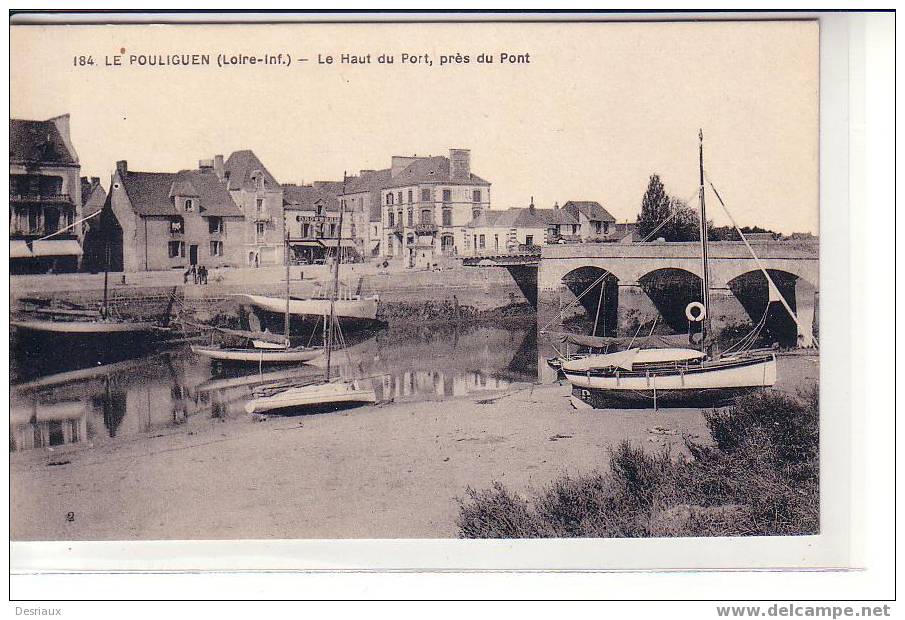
353,307
675,372
316,395
82,322
326,394
266,348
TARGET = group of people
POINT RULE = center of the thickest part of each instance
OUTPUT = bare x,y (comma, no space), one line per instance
198,274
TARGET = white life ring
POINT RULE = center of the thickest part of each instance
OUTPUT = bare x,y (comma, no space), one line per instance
690,311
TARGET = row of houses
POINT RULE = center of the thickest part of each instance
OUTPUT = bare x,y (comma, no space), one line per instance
231,212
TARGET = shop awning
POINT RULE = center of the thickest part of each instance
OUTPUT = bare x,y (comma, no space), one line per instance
19,249
306,243
58,247
331,243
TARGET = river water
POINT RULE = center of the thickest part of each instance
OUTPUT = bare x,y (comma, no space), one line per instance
72,398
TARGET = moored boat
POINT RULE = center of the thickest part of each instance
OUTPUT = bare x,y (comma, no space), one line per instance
356,307
266,355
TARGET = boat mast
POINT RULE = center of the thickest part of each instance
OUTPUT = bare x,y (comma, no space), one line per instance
333,293
286,321
705,268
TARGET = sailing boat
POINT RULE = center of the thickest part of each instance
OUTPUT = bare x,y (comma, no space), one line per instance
266,348
676,374
83,322
329,392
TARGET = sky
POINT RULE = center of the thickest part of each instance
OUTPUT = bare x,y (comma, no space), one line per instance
596,110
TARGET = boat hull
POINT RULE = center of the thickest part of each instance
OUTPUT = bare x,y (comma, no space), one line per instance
86,328
706,382
266,356
364,309
320,396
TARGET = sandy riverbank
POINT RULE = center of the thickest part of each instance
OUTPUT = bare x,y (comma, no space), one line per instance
374,472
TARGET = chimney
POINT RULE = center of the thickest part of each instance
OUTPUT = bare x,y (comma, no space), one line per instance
95,180
206,165
122,167
531,208
364,172
218,166
400,163
556,205
459,164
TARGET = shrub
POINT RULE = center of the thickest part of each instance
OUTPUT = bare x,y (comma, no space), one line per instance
760,477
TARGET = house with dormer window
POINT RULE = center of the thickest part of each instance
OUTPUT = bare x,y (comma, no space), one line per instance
172,220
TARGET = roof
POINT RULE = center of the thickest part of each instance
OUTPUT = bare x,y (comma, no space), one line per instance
152,193
241,165
370,181
430,170
93,194
38,141
305,197
590,209
556,217
510,218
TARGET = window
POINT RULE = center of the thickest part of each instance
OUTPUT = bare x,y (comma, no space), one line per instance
332,230
476,196
390,245
390,219
411,199
481,238
606,228
475,213
496,242
390,198
426,195
399,216
215,225
399,197
447,217
260,231
475,241
597,227
411,219
427,216
189,205
259,203
529,239
177,226
176,249
447,195
216,248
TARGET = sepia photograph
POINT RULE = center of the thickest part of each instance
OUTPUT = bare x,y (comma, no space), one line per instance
475,280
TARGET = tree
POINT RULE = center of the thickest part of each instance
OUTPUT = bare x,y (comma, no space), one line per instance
684,225
655,206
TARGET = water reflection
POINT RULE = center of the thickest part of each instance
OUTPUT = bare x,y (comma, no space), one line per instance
159,392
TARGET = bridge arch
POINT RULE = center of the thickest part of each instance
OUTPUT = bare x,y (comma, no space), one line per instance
751,289
671,289
594,301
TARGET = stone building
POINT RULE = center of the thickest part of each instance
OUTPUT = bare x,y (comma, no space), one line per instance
260,199
363,196
594,222
428,203
171,220
45,197
500,232
312,219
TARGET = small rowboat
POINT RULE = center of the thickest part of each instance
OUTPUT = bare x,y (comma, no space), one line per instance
266,355
313,396
83,327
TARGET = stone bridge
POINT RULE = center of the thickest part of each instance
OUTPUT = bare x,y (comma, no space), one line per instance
646,281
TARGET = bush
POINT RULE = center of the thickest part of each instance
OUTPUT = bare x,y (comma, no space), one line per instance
760,477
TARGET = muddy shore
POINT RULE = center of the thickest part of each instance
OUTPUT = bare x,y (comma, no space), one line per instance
389,471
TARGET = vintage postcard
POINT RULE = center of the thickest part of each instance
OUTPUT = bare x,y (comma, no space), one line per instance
408,280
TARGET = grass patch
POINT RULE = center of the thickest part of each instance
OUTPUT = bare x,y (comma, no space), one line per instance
759,476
